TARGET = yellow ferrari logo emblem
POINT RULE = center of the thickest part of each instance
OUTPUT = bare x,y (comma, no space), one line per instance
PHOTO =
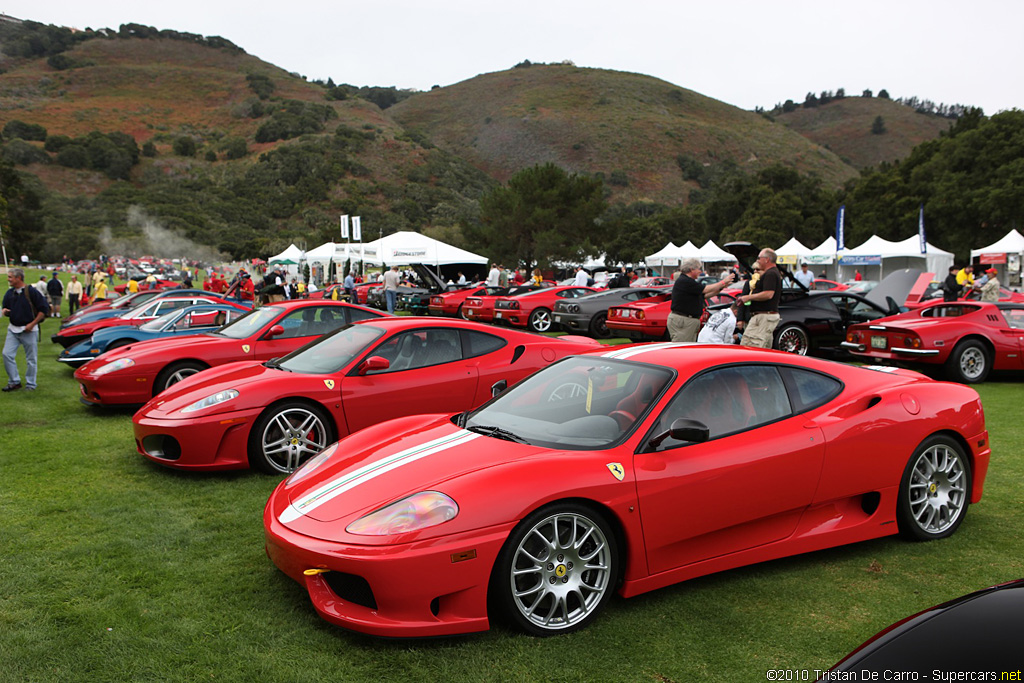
616,469
245,348
560,570
933,488
329,383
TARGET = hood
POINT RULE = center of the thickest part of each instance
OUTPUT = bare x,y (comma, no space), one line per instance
433,283
746,253
898,286
382,464
238,375
149,347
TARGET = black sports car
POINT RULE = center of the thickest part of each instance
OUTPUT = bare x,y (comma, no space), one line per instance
589,314
972,638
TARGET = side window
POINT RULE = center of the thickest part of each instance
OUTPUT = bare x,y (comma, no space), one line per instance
300,323
810,389
421,348
356,314
168,306
728,400
479,343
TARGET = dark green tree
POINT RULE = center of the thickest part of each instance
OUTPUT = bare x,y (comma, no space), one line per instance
878,126
184,146
543,214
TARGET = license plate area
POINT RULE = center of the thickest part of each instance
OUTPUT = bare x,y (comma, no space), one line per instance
878,342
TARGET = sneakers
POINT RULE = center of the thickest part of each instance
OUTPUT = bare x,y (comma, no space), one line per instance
13,386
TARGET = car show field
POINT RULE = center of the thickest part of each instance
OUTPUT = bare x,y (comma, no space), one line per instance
115,568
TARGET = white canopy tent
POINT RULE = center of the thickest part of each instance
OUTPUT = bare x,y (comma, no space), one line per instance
792,252
1006,256
289,258
712,253
886,256
329,251
404,248
666,256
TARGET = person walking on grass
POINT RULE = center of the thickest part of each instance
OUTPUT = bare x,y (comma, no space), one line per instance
26,308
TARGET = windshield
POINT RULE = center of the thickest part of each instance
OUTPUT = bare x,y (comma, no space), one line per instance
250,323
333,352
157,324
578,403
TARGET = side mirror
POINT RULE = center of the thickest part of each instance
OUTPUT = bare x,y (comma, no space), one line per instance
683,429
499,387
373,364
275,331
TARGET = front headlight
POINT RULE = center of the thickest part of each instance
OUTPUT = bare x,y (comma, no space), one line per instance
307,467
114,366
419,511
213,400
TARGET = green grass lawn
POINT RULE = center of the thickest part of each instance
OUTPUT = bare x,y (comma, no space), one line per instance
114,569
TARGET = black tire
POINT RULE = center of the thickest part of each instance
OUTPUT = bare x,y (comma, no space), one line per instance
286,435
460,314
935,490
792,338
599,326
118,343
176,372
540,321
573,582
969,363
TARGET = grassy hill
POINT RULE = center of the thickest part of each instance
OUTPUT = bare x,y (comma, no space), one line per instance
599,121
844,126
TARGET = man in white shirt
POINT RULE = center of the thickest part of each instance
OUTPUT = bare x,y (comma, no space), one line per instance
805,276
720,327
493,276
391,281
581,277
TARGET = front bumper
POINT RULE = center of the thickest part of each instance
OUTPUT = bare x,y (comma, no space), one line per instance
115,389
413,590
213,442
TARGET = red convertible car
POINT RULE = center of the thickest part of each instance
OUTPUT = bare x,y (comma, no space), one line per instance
135,373
622,470
967,339
532,310
275,415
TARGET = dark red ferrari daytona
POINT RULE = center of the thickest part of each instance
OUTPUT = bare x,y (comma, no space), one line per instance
621,470
275,415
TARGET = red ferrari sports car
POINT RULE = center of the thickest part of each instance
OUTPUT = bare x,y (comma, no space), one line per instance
480,307
135,373
967,339
620,470
532,310
275,415
648,319
450,304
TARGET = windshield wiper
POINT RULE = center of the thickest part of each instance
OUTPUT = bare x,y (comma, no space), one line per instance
275,364
498,433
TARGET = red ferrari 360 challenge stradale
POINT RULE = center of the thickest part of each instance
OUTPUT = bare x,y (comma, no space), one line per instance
620,470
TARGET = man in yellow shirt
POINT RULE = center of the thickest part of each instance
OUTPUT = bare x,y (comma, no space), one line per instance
100,291
965,276
133,286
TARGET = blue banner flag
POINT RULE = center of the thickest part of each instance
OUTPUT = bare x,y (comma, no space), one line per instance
840,216
920,230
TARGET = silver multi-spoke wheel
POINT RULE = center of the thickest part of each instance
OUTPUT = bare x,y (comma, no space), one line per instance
968,363
935,491
793,339
559,570
288,436
180,374
175,373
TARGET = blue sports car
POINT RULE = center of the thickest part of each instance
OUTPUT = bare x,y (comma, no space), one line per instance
184,321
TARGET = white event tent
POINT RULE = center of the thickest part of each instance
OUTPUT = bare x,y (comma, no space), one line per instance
711,253
1006,256
404,248
289,258
792,252
887,256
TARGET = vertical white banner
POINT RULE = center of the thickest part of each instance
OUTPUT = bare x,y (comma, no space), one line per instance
344,227
920,230
357,229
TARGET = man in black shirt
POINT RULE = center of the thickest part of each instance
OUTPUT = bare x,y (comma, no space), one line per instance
688,301
950,287
764,303
26,308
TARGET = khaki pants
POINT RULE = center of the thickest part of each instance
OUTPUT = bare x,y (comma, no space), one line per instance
682,328
759,330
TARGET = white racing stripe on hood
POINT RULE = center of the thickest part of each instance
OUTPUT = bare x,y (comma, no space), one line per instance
350,480
629,353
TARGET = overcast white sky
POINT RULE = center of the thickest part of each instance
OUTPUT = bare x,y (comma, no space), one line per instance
745,52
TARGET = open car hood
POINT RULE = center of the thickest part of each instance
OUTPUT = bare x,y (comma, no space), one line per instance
746,253
898,286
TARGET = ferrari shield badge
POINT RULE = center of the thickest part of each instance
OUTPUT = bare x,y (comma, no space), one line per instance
245,348
616,469
329,383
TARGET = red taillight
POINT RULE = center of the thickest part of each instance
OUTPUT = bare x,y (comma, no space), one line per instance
515,305
912,342
853,337
436,300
